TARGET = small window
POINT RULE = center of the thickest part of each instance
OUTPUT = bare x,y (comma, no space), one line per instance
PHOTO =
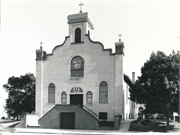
89,97
77,67
103,115
63,97
77,35
103,92
51,93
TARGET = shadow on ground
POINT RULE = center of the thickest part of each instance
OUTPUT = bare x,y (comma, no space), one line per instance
8,129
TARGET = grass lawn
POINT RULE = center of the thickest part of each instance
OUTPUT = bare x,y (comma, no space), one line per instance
154,126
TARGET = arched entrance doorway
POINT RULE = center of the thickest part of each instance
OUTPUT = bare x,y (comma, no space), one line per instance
76,96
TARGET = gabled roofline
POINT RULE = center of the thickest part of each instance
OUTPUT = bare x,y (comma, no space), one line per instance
97,42
58,45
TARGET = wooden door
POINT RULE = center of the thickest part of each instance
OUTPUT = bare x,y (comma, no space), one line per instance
76,99
67,120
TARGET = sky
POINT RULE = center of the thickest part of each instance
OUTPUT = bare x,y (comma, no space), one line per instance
145,26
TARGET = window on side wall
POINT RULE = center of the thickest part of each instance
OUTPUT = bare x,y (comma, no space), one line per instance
63,97
51,93
89,97
103,115
103,92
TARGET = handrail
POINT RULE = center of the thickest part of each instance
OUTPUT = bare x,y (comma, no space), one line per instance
90,111
93,112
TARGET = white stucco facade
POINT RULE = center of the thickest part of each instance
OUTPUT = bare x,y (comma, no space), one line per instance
100,64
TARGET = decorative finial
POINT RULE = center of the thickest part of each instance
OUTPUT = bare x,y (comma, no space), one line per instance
119,37
41,44
81,4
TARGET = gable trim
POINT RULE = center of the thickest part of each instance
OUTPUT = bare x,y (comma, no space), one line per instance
110,50
58,46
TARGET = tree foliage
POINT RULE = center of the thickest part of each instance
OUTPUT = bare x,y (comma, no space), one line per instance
158,85
21,95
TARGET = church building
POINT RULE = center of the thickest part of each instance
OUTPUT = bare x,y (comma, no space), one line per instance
81,84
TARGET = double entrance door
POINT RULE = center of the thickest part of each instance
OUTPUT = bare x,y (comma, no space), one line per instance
76,99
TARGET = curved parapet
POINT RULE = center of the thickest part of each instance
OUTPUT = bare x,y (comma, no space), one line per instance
97,42
59,45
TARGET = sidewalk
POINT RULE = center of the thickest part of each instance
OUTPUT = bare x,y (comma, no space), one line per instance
124,129
125,125
70,131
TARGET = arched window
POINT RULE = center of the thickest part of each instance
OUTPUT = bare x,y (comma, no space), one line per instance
77,35
51,93
89,97
63,97
77,67
103,92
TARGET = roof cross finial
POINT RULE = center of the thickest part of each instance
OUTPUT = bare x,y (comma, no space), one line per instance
41,44
119,37
81,4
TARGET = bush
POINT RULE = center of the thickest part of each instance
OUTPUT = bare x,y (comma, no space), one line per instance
135,121
146,122
147,125
135,126
149,116
160,117
160,129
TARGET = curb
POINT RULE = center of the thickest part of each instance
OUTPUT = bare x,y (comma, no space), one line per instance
54,131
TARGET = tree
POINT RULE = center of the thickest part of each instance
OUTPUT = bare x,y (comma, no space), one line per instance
158,85
21,95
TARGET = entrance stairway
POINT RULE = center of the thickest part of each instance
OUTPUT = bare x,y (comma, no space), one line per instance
91,112
84,117
102,124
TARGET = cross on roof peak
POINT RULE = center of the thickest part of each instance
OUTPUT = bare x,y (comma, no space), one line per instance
81,4
119,37
41,44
